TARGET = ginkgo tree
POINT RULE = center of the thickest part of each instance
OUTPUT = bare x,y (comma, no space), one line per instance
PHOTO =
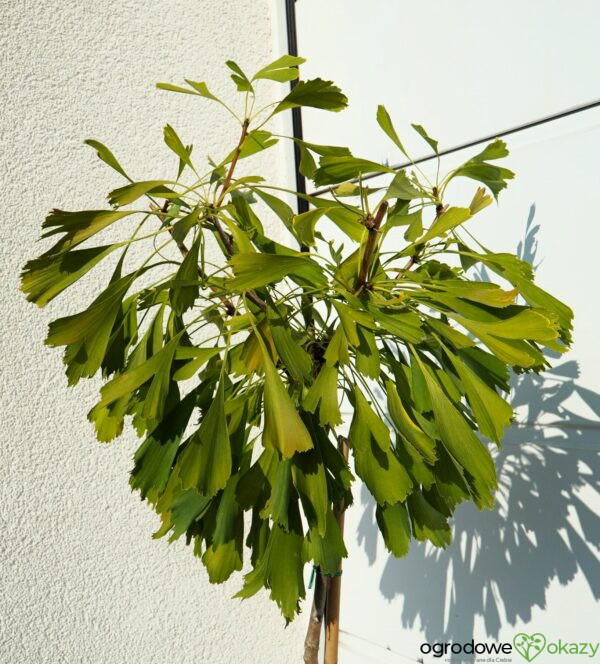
236,370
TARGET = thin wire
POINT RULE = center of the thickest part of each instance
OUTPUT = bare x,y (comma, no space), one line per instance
377,645
506,132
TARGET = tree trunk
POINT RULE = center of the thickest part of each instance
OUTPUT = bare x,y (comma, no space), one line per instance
315,624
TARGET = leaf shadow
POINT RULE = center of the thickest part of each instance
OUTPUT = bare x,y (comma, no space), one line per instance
544,526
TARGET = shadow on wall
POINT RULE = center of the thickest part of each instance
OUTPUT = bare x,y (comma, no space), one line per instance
502,562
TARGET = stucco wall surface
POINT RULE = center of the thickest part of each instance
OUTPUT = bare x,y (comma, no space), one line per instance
81,580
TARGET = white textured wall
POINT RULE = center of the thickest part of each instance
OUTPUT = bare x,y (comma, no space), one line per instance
81,580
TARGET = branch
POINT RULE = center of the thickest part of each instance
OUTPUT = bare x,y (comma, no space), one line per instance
373,224
227,303
226,239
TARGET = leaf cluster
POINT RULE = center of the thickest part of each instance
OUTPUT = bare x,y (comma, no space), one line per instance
238,374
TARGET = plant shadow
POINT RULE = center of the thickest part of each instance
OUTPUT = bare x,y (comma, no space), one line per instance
501,563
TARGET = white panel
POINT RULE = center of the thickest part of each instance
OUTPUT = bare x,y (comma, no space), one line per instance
533,564
462,69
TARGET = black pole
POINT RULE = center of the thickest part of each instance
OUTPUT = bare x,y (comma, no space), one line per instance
292,36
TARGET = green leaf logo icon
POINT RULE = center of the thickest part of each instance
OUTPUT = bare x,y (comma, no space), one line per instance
529,646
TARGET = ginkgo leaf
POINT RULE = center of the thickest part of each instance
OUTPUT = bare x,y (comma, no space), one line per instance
462,443
255,270
427,522
173,141
385,122
155,456
324,393
395,527
280,570
491,411
185,284
407,427
310,481
304,225
283,429
315,93
292,354
283,69
205,463
198,357
106,156
43,278
326,550
79,226
131,192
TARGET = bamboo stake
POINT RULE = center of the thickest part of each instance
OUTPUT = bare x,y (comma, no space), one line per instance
332,607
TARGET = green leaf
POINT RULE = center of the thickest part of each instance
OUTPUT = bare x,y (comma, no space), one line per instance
106,156
279,207
421,131
427,522
527,324
395,527
157,368
87,333
43,278
155,456
283,69
367,354
175,88
366,424
385,122
315,93
280,570
283,429
326,550
337,349
79,226
304,225
401,187
462,443
477,168
333,170
256,140
256,270
183,508
451,218
131,192
374,461
200,88
405,325
185,285
310,481
324,391
224,555
239,78
200,357
345,217
278,505
184,225
173,141
480,201
205,463
405,425
296,360
491,411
